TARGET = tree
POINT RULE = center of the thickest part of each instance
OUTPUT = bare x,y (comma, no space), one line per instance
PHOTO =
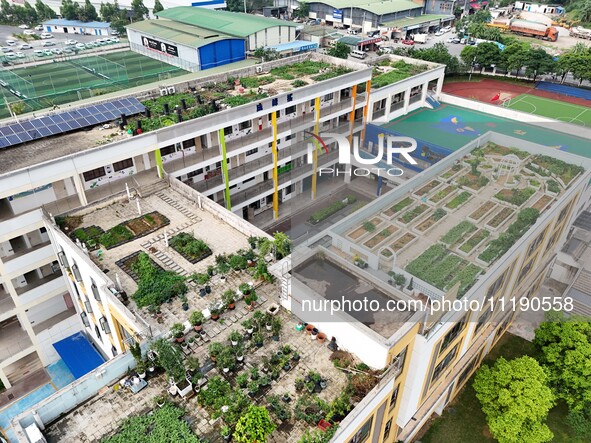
339,50
516,399
487,54
439,53
254,426
70,10
512,58
468,55
109,11
44,12
584,12
565,345
157,7
538,62
139,10
302,11
88,12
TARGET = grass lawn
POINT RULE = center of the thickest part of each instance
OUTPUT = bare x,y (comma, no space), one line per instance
464,422
568,112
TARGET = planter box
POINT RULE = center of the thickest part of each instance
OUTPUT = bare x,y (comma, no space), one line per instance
458,201
380,237
483,210
500,218
473,242
360,231
413,214
428,224
427,188
397,207
441,195
134,223
542,202
126,265
402,242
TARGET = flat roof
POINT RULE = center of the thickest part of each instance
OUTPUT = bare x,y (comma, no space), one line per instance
178,32
298,45
62,22
377,7
410,21
236,24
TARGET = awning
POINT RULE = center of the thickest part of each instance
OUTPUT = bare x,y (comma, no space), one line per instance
78,354
369,41
475,6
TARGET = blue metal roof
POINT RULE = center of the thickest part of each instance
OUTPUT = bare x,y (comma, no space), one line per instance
296,46
78,23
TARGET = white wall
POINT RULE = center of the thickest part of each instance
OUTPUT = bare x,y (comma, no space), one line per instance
46,310
58,332
29,200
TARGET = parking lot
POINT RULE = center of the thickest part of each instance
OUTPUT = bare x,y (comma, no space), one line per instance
56,46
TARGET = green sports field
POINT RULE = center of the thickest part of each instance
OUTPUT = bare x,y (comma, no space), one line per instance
74,79
452,127
566,112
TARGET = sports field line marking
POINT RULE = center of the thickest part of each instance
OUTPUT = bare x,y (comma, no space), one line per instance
572,105
511,102
577,116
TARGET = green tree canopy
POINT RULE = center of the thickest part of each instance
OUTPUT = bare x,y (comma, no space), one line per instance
538,62
565,345
44,12
513,57
302,11
70,10
515,398
254,426
439,53
339,50
487,54
157,7
88,12
140,11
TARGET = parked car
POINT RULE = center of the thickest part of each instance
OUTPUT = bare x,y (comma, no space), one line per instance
47,52
70,42
373,33
115,40
46,35
57,51
20,54
29,32
39,28
69,50
446,29
23,26
10,56
25,46
408,42
91,45
39,53
10,42
454,40
439,33
5,49
80,46
114,32
48,43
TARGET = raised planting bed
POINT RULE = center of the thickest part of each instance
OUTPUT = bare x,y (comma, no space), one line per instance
387,253
458,232
482,211
500,217
443,269
127,265
133,229
363,229
515,197
440,195
402,242
542,202
451,172
430,221
410,215
327,211
478,237
496,248
407,201
428,188
458,200
380,237
89,235
192,249
553,187
566,172
472,181
494,149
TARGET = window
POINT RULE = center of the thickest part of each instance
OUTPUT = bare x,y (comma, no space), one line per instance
123,164
189,143
398,361
289,137
76,272
394,397
443,364
94,174
496,286
534,245
105,325
98,333
95,290
328,97
312,102
287,190
194,173
452,334
466,372
88,306
84,319
525,270
167,150
252,151
43,230
387,430
290,110
363,434
246,125
228,130
249,180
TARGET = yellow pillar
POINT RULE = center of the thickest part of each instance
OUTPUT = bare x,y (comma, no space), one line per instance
315,155
365,110
159,166
352,113
275,160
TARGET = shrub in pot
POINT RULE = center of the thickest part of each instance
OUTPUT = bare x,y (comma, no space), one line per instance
235,338
225,433
257,337
225,360
248,325
178,332
214,350
242,380
244,288
239,352
196,319
215,314
276,328
141,369
253,387
229,299
254,373
251,299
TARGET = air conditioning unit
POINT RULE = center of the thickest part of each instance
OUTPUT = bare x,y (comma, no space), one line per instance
171,90
259,69
163,91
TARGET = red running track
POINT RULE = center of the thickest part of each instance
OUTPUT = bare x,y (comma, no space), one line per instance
485,90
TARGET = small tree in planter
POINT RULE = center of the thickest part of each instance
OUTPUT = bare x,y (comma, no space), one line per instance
141,369
237,262
252,242
192,364
235,338
225,433
178,332
257,337
196,319
248,325
400,280
239,352
200,278
254,426
215,313
225,360
259,319
214,350
242,380
244,288
229,299
251,299
253,387
276,328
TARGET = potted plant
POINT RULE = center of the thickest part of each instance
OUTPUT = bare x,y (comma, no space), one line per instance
215,314
254,373
258,318
268,320
196,319
321,337
225,360
251,299
185,302
160,400
235,338
276,328
239,352
286,397
200,279
275,374
299,384
141,369
309,328
211,271
295,356
214,350
253,388
286,349
252,242
265,364
242,380
229,299
244,288
225,433
264,381
178,332
192,364
248,325
257,337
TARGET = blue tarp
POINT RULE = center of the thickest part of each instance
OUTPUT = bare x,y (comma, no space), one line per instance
78,354
565,90
296,46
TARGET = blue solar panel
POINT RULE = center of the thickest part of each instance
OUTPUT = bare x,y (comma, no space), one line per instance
17,133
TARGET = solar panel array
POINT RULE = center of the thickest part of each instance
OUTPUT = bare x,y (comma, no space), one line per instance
37,128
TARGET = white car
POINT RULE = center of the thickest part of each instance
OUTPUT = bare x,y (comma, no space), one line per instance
39,28
23,26
57,51
114,32
25,46
115,40
10,42
29,32
20,54
10,56
5,49
39,53
80,46
46,35
70,42
49,43
440,32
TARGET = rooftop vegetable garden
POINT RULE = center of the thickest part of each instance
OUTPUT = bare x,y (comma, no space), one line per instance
388,72
192,249
318,70
553,166
516,197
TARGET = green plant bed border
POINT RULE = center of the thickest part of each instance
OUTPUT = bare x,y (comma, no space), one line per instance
85,234
477,238
381,236
333,208
413,214
165,222
518,196
399,206
193,260
126,265
406,235
459,200
442,194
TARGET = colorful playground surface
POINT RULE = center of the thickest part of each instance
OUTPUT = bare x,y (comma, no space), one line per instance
450,127
560,102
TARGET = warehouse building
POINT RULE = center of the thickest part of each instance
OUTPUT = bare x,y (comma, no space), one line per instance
77,27
196,38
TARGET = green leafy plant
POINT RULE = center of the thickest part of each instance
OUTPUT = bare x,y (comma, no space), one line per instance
196,318
188,246
177,330
242,380
229,297
254,426
200,278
